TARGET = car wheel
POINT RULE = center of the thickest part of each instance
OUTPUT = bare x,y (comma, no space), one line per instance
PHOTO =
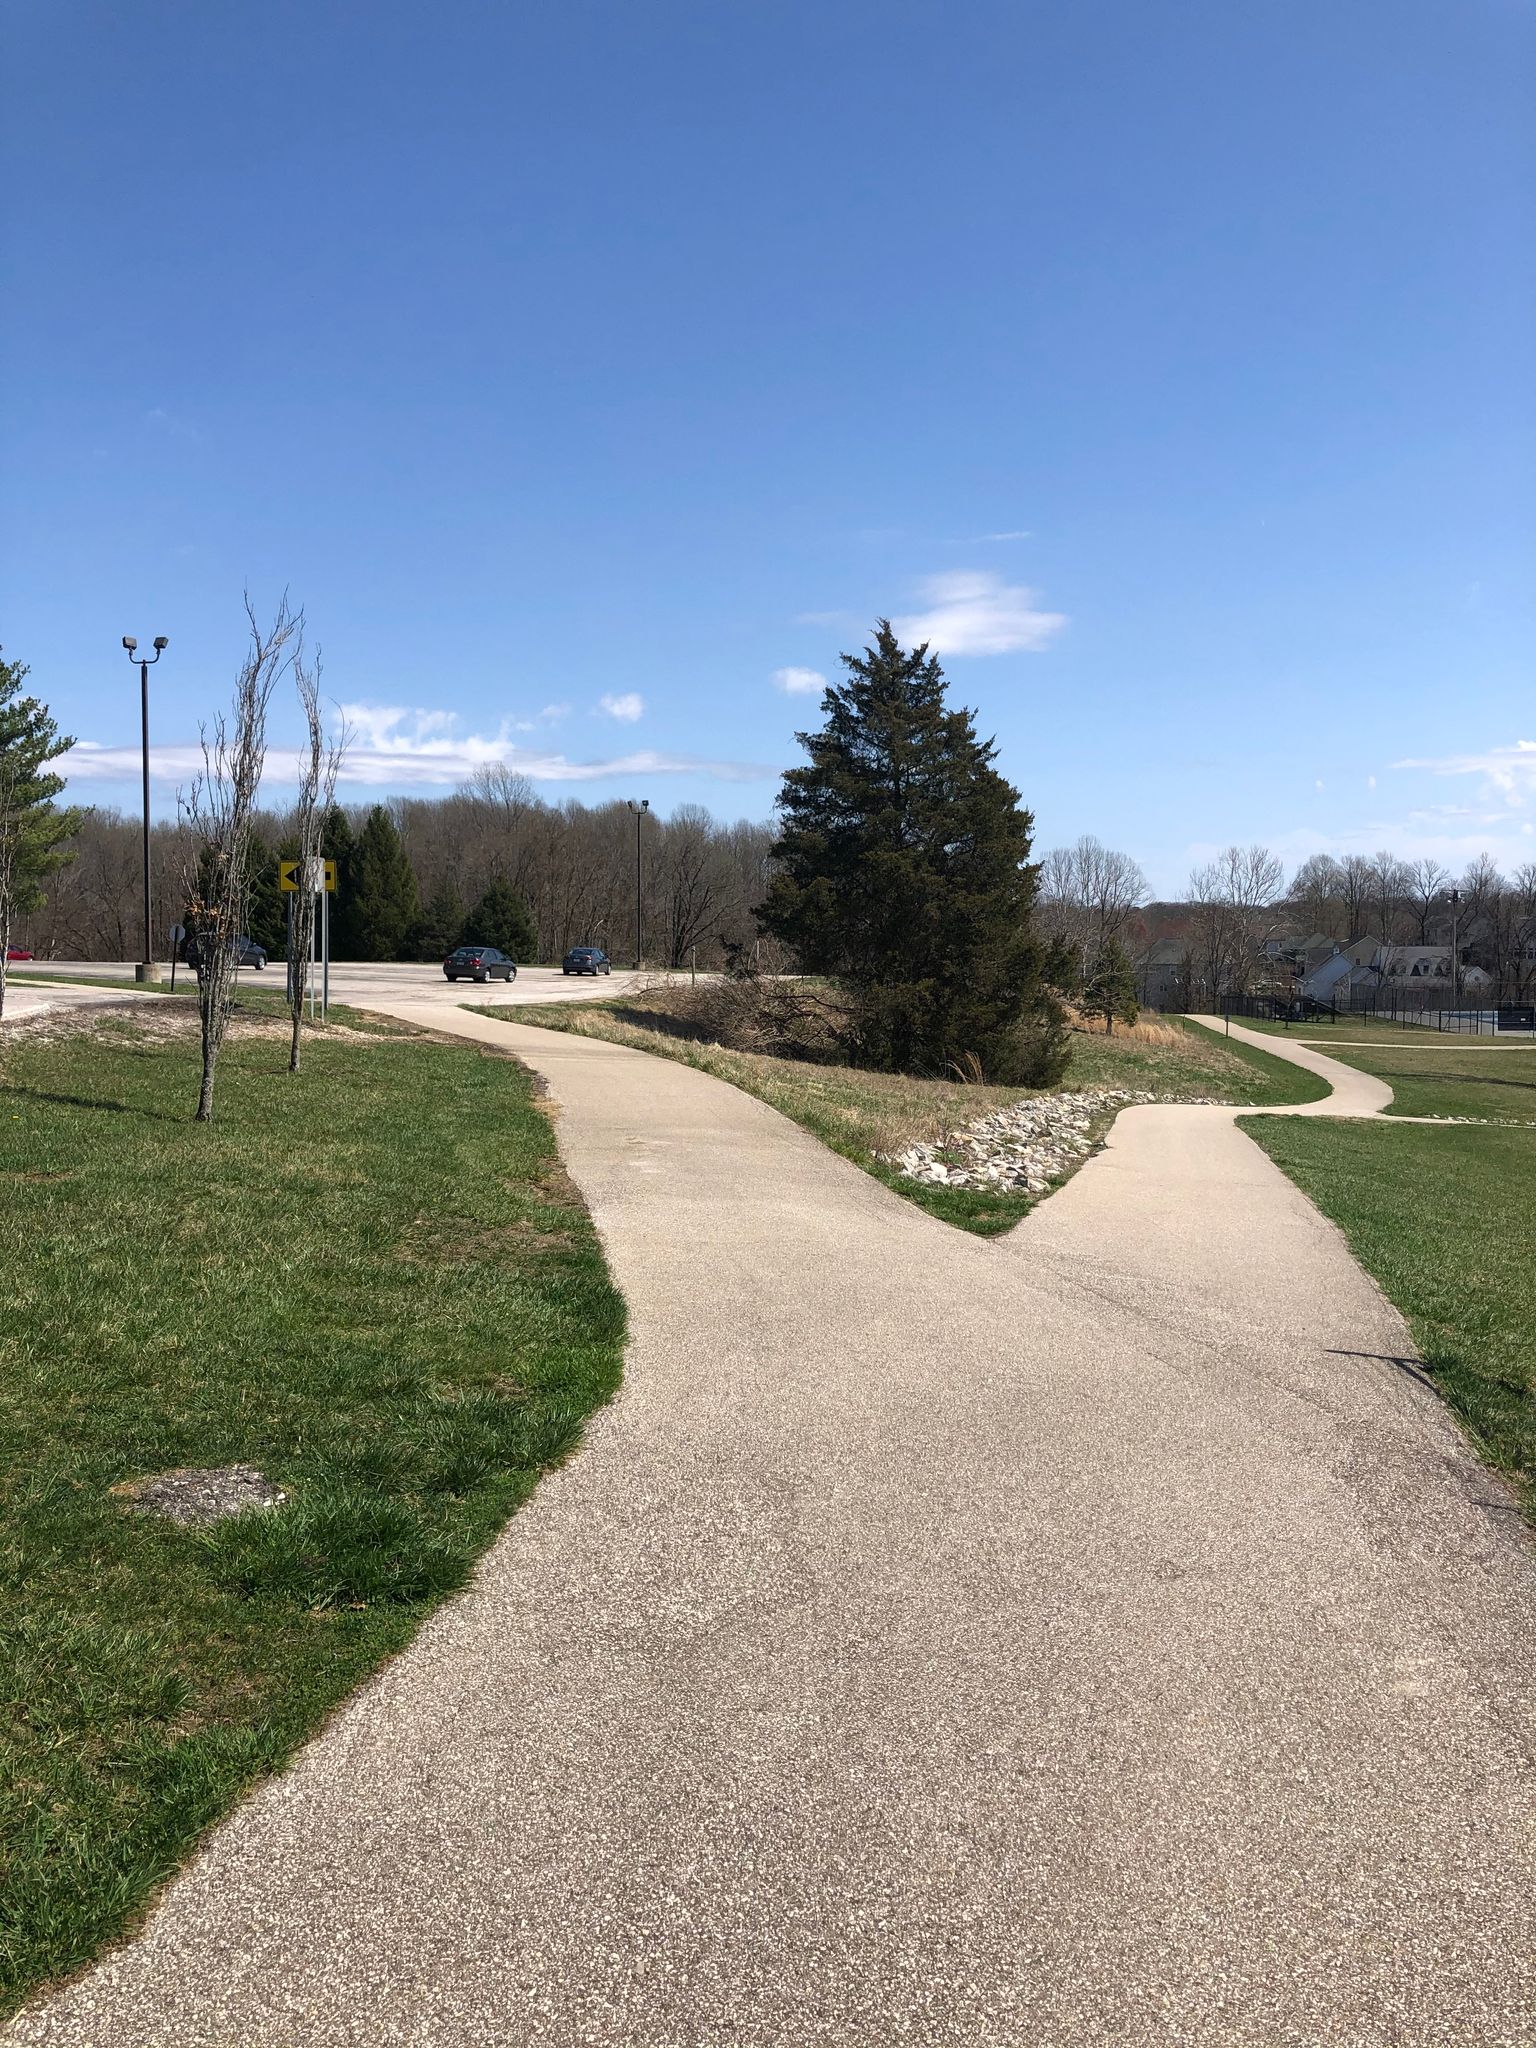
511,974
566,972
481,975
453,977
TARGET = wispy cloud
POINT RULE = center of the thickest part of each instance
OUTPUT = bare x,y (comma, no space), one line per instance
626,708
973,611
1509,770
396,747
799,682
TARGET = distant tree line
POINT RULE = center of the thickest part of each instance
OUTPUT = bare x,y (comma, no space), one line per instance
492,863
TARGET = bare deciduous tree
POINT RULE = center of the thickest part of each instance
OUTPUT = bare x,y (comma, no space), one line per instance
1426,886
1391,881
1087,895
317,793
1236,900
218,810
1316,895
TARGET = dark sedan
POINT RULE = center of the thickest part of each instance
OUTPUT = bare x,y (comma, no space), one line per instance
479,963
246,952
586,960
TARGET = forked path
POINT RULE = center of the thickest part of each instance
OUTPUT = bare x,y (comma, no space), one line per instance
1097,1636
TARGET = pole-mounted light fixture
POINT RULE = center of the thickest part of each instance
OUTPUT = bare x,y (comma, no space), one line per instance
145,662
639,810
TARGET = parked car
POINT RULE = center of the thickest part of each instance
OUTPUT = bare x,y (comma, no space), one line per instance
479,963
247,952
586,960
17,953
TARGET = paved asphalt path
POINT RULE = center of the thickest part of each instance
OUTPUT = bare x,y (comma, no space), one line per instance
1097,1636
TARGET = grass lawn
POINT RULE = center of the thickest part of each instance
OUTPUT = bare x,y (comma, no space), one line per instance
371,1280
40,977
1446,1222
862,1114
1434,1075
1326,1032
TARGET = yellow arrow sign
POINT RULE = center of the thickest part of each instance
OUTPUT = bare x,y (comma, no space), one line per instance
290,880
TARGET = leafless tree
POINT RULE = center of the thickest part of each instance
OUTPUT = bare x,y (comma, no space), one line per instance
218,811
317,793
1427,882
1087,896
1316,895
1236,900
1354,894
1391,880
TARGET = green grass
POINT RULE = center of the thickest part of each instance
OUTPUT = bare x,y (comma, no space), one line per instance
1448,1079
40,977
1445,1220
373,1281
1325,1032
1430,1073
861,1115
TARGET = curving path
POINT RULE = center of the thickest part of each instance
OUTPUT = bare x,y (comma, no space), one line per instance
1097,1636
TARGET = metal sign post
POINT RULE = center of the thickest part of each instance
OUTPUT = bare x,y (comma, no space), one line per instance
320,879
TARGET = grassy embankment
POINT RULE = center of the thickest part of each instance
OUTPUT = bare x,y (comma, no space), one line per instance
372,1281
863,1115
1445,1221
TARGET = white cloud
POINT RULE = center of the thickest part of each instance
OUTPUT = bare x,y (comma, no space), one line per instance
398,747
1509,770
799,682
973,611
627,708
1370,782
551,712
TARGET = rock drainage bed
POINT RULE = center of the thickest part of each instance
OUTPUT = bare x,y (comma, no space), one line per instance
1021,1149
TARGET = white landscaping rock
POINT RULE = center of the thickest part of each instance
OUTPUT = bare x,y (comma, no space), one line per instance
1019,1150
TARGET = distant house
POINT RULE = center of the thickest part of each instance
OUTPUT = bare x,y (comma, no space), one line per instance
1416,973
1331,980
1425,968
1162,974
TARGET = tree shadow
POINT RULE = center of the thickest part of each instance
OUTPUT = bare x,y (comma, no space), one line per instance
1412,1367
155,1116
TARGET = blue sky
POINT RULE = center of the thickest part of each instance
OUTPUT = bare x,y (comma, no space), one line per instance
591,373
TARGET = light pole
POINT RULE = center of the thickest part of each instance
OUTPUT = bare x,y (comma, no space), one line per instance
148,970
1455,900
639,810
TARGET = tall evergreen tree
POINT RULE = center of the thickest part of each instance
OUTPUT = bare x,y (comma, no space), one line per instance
440,926
338,844
501,918
266,912
34,832
902,871
384,897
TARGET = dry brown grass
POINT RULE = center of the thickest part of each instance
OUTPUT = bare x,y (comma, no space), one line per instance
1149,1029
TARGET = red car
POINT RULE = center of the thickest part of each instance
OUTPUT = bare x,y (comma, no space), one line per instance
17,953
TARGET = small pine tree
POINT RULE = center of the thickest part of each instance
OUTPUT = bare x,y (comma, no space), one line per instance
1110,991
337,843
903,872
34,832
383,896
502,919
